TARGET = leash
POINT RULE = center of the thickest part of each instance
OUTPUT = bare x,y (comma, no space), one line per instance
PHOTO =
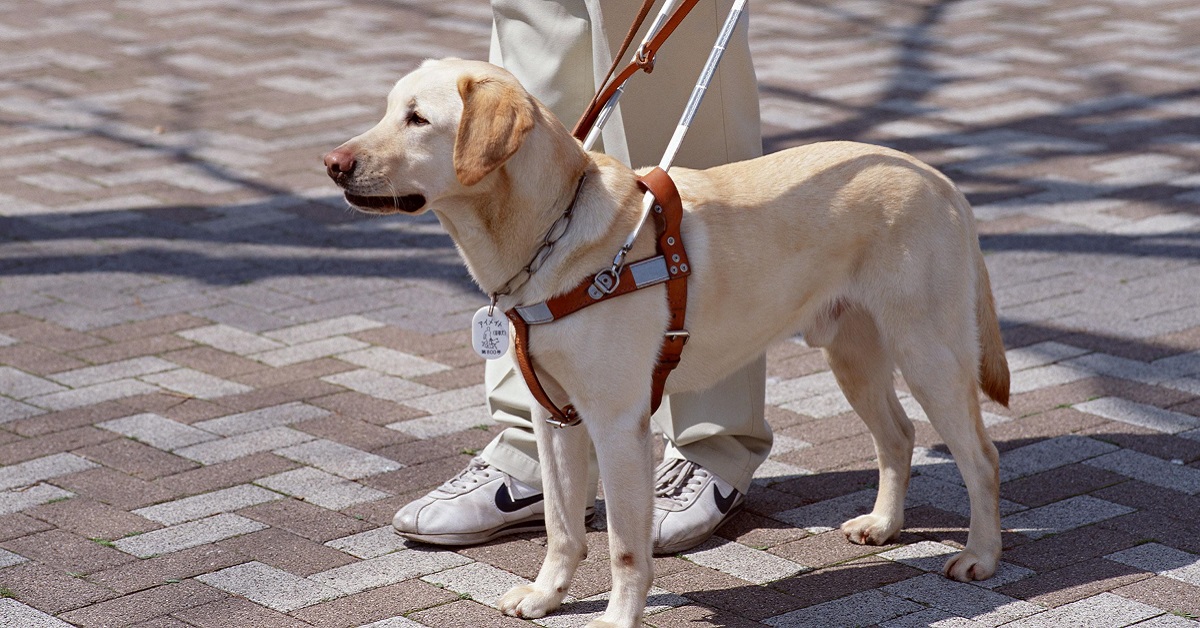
661,199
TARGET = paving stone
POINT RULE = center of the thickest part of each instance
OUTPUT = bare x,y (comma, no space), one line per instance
44,468
931,557
234,447
25,498
442,424
207,504
8,559
964,600
867,607
274,416
1049,454
320,488
1162,560
14,613
22,385
371,544
310,332
338,459
484,583
91,375
187,535
384,606
1101,611
13,410
309,351
91,395
388,569
742,562
230,339
1061,516
1151,470
289,552
196,384
1140,414
276,589
236,611
1173,596
157,431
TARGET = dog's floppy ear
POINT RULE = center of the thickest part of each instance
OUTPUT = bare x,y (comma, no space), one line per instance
496,118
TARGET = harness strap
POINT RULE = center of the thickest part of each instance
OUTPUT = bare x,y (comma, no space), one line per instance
643,60
670,266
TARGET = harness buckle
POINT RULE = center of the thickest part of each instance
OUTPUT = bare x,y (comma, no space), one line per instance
606,282
572,418
678,334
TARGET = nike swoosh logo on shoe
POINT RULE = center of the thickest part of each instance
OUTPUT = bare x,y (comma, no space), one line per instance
724,503
506,503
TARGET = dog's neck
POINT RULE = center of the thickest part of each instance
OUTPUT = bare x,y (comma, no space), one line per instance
500,227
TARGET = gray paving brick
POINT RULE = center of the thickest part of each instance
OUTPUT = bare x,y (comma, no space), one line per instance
8,559
158,431
388,569
392,362
273,588
21,385
827,515
14,613
1139,414
207,504
44,468
444,423
339,459
379,385
1064,515
187,535
91,395
1045,377
372,543
743,562
310,332
1105,610
448,401
963,600
295,354
263,418
323,489
1151,470
1041,354
22,499
114,370
860,609
1050,454
234,447
1179,365
230,339
12,410
1163,560
483,582
931,556
196,384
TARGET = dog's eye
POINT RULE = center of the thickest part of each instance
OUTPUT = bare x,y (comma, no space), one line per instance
415,119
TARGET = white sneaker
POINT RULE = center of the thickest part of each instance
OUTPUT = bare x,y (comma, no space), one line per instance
477,505
690,504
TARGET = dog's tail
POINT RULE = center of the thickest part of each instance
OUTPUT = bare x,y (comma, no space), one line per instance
993,365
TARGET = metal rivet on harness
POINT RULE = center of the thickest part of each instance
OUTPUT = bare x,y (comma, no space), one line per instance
674,270
675,258
658,209
670,240
683,267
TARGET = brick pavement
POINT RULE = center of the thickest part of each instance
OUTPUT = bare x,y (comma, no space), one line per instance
216,384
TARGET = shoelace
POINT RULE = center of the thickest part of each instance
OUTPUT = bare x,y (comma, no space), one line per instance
678,480
477,470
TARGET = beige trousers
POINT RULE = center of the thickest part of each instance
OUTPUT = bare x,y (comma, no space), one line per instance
560,50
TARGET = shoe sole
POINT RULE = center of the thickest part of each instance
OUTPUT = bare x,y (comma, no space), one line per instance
683,546
474,538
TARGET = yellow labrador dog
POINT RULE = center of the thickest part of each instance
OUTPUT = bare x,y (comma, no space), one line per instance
869,253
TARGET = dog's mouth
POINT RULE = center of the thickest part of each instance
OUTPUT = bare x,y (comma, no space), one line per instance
408,203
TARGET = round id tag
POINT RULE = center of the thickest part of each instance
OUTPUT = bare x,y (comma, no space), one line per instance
489,333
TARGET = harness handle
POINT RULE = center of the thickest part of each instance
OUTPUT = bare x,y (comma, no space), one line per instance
642,60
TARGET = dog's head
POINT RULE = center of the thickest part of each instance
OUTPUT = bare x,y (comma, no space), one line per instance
448,125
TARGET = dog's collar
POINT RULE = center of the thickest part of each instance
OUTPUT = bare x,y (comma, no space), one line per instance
556,231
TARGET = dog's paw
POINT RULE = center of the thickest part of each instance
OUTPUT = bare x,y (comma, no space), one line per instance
966,566
529,602
870,529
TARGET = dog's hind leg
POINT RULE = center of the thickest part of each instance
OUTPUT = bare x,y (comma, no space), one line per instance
937,359
564,463
863,367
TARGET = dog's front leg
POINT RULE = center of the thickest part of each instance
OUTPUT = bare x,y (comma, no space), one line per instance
564,458
625,452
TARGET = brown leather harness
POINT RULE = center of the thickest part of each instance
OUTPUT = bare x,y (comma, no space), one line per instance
670,264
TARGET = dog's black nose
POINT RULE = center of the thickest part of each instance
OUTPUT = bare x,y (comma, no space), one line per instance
339,163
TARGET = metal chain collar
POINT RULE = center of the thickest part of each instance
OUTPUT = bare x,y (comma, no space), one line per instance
556,231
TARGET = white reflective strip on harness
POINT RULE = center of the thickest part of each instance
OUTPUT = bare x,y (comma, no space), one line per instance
647,272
